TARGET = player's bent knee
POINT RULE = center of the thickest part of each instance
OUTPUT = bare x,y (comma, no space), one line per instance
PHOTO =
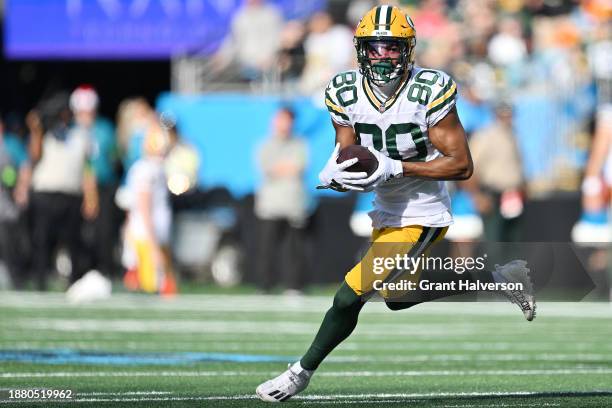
346,298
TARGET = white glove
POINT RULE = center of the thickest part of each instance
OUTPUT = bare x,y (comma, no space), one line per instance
387,168
333,175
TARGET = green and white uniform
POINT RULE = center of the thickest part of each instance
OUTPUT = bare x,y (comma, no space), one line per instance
398,127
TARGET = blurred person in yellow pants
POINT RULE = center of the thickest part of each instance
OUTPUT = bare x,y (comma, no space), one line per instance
149,219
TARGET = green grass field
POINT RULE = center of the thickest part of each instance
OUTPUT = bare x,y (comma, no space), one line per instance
213,350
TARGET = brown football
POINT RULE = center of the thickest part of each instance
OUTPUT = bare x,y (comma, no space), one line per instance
367,161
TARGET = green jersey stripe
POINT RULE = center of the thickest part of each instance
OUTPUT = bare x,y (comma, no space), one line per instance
444,90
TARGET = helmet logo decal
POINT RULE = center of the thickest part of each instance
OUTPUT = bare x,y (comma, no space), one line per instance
410,22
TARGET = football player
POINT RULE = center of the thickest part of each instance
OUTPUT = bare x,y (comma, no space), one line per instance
406,116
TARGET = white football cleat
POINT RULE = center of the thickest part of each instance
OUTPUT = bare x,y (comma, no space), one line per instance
286,385
517,272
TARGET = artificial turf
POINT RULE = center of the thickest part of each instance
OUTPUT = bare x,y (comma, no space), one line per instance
213,350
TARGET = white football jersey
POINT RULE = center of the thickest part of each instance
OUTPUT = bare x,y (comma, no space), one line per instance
399,129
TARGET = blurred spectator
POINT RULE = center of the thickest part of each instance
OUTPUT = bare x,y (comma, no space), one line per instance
329,50
253,41
598,173
597,181
594,223
103,162
499,177
280,204
599,54
356,9
510,6
549,8
555,44
14,184
134,117
442,49
149,220
63,186
477,88
478,20
430,19
597,10
507,46
291,56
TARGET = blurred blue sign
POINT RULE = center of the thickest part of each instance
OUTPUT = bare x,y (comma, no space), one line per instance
124,29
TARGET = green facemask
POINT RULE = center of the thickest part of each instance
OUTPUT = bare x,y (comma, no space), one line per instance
384,70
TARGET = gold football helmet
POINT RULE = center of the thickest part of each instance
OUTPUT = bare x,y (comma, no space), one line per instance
385,24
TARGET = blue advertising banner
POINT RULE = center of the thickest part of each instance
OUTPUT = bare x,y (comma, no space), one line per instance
124,29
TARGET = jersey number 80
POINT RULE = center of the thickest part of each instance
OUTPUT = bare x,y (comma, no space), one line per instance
419,92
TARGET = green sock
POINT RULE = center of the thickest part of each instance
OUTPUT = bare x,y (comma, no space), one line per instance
339,322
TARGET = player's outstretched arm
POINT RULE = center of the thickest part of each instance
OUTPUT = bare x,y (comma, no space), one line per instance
448,136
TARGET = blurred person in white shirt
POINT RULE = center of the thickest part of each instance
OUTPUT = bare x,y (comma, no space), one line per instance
64,190
253,41
507,47
329,49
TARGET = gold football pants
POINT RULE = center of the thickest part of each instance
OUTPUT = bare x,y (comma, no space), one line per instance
413,241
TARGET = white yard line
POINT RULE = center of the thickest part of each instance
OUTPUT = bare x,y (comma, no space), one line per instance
231,326
117,325
424,395
404,401
330,398
258,303
97,394
398,373
472,357
357,343
164,326
443,373
132,399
